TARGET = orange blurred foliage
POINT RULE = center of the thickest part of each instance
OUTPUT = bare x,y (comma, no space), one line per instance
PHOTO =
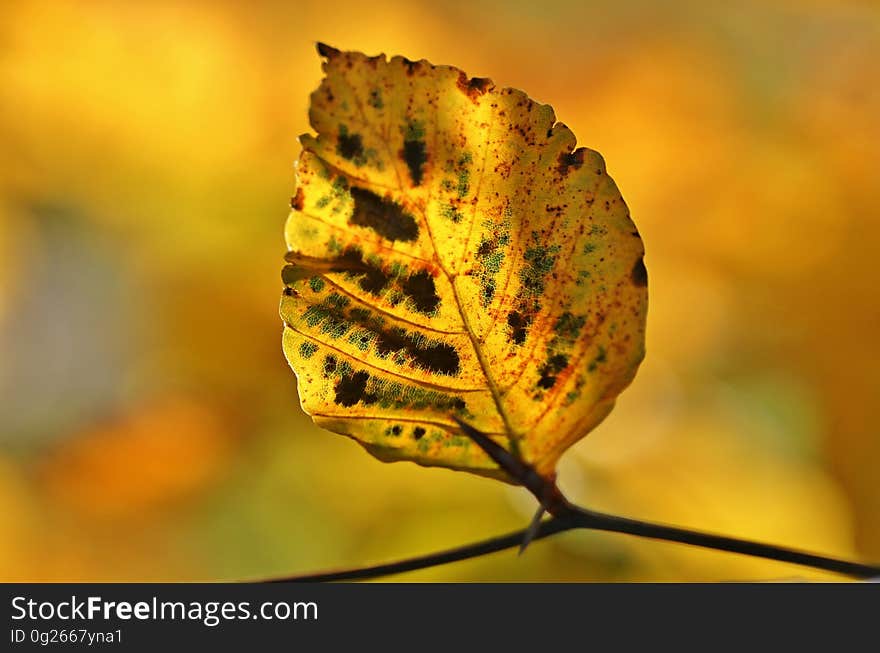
151,458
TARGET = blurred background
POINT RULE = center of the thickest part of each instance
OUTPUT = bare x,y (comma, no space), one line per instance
149,425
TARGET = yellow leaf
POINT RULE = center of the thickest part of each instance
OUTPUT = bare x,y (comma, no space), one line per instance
452,253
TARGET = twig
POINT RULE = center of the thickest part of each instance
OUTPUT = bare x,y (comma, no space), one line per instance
466,552
567,516
602,522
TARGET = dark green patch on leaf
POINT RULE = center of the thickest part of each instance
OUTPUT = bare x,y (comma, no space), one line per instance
539,262
375,100
354,387
307,349
598,360
551,368
451,213
365,329
568,326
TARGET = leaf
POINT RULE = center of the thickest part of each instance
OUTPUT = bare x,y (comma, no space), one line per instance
451,253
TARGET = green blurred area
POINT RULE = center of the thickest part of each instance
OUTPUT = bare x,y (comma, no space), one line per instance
149,426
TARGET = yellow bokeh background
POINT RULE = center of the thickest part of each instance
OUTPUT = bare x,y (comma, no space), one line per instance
149,426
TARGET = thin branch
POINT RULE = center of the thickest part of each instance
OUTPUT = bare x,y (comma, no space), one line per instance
612,523
466,552
567,516
589,520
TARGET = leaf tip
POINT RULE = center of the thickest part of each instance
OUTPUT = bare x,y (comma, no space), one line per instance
325,50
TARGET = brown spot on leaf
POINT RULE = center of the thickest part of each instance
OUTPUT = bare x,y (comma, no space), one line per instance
352,388
418,287
383,216
373,278
639,274
571,160
296,202
421,290
290,274
350,146
415,156
519,326
486,248
418,433
411,66
551,368
473,87
434,356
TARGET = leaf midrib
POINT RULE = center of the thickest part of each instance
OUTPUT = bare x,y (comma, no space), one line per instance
513,437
